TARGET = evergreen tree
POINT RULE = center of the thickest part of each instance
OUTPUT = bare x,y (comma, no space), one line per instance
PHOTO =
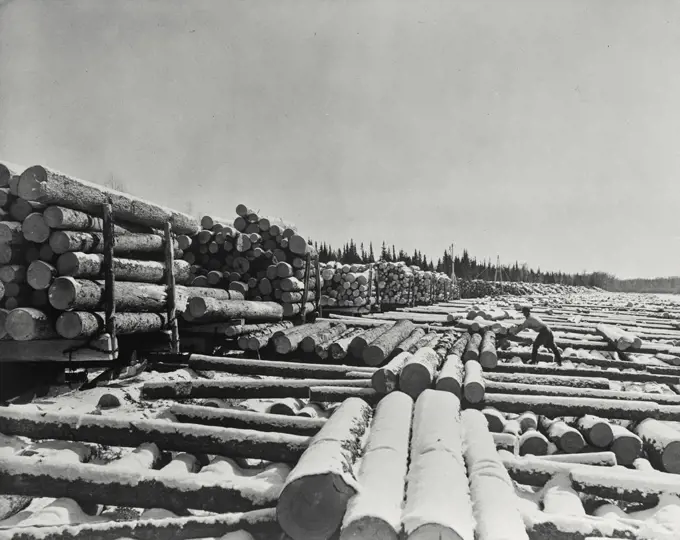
371,256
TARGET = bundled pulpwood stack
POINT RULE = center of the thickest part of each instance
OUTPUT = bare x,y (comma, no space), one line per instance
476,288
400,284
262,258
347,285
53,257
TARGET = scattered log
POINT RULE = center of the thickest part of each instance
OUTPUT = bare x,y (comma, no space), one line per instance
451,377
596,431
487,356
385,379
324,469
416,335
581,372
600,459
90,265
120,487
361,341
571,406
493,493
23,324
375,511
527,421
275,368
239,419
289,341
626,445
565,437
473,386
624,484
50,187
419,371
339,349
242,388
662,444
505,441
560,498
338,394
380,349
213,309
472,348
495,419
310,342
548,380
533,442
261,523
618,337
437,496
566,391
123,431
80,324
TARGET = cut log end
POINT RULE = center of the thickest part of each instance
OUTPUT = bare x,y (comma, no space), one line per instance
30,180
414,379
369,527
670,457
40,275
313,506
69,325
63,292
432,531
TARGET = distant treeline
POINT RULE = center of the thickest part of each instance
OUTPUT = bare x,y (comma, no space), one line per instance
467,267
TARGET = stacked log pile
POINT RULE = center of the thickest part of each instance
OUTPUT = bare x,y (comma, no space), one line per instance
264,259
477,288
53,263
348,285
401,285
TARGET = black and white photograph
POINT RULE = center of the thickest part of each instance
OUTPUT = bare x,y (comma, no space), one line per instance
339,270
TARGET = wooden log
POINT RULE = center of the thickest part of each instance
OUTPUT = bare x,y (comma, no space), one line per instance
13,273
289,341
505,441
626,445
472,348
624,484
548,390
451,376
191,438
618,337
571,406
67,293
340,348
148,488
596,431
338,394
437,497
565,437
213,309
492,491
289,310
35,229
361,341
275,368
10,233
487,355
90,265
21,208
416,335
473,385
86,242
600,459
495,419
324,469
61,218
512,427
239,419
581,372
528,420
560,498
419,371
327,336
79,324
380,348
532,442
24,324
242,388
375,512
10,256
548,380
385,379
662,444
50,187
40,275
261,523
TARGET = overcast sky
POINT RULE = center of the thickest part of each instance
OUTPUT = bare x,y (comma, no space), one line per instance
542,131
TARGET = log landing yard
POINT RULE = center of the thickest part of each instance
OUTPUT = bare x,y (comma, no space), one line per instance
165,377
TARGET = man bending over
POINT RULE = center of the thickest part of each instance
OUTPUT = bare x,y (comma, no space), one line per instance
545,336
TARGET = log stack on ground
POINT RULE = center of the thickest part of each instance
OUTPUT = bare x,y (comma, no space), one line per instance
348,285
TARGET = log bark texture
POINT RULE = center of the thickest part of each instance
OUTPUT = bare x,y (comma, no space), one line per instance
419,371
213,309
380,349
46,186
90,265
80,324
